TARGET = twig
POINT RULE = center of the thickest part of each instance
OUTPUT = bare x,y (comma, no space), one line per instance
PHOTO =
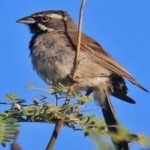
92,109
57,99
79,40
56,130
58,124
54,136
76,61
15,145
69,94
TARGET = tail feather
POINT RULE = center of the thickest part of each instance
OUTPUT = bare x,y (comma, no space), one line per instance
109,115
124,98
119,88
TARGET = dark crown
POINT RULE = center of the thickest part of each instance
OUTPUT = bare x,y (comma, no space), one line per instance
52,12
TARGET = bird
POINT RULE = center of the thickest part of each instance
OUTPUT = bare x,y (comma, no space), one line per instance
52,49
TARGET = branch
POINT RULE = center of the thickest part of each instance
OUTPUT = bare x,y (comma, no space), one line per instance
68,115
56,130
54,136
79,39
59,122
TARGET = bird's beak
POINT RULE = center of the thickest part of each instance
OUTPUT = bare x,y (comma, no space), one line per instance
26,20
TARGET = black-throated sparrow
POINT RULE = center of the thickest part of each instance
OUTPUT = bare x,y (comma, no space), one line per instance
53,48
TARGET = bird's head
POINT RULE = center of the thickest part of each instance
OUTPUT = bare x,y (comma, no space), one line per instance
47,21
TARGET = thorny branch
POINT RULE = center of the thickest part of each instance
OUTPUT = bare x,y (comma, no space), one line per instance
70,115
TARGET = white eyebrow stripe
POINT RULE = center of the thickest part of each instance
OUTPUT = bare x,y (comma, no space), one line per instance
57,16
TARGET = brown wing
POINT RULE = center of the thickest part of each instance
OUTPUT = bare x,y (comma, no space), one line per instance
92,47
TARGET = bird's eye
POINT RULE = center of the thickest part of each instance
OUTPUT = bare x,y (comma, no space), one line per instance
44,19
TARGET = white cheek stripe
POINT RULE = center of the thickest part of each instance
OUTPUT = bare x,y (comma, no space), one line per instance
42,27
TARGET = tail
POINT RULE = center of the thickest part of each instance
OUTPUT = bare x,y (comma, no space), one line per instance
102,96
119,88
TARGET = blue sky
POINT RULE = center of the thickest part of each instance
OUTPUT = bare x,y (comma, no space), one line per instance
122,28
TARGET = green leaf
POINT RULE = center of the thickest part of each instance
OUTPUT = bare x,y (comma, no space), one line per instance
8,130
93,124
12,97
142,140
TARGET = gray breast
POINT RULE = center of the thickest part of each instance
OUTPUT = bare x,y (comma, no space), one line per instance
51,57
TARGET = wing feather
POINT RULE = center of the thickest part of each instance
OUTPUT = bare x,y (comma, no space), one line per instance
105,59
